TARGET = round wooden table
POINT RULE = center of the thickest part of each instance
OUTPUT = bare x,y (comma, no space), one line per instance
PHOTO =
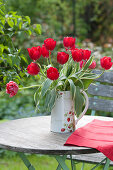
32,135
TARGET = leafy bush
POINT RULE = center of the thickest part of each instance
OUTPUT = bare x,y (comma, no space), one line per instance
12,59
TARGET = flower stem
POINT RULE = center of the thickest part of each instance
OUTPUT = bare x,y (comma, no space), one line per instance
50,57
47,61
101,73
77,67
38,85
42,74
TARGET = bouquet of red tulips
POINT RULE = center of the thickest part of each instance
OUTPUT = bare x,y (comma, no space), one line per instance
74,73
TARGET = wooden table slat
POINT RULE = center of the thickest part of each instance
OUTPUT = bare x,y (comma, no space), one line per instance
32,135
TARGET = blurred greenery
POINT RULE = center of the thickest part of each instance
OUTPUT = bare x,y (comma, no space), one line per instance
40,162
20,106
91,19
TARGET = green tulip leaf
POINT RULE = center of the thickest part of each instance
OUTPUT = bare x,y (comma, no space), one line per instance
52,99
88,63
79,101
72,88
46,86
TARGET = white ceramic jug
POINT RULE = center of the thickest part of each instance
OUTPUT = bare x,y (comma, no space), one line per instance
63,118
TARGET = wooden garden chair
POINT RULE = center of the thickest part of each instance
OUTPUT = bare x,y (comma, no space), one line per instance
101,101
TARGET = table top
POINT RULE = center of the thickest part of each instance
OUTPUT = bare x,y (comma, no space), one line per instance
32,135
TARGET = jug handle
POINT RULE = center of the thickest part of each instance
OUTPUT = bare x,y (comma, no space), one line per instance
86,106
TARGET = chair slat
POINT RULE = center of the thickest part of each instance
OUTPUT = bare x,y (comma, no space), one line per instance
101,104
105,77
90,158
101,90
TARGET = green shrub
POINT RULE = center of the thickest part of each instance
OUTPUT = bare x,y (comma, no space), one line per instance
12,59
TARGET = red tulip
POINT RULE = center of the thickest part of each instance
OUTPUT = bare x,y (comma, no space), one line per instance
33,69
81,64
86,54
62,57
77,55
52,73
93,65
50,44
11,88
34,52
106,63
45,52
72,48
69,42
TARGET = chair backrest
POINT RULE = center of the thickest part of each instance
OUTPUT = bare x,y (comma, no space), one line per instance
103,87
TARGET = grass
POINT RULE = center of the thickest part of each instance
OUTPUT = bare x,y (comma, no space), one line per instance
40,162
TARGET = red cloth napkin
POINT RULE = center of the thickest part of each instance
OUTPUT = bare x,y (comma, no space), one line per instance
97,134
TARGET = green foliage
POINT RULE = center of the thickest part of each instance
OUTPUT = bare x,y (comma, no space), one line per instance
12,59
21,105
46,86
72,88
102,16
79,101
37,28
91,19
56,16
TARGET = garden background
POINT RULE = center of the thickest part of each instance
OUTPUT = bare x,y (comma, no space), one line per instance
26,23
